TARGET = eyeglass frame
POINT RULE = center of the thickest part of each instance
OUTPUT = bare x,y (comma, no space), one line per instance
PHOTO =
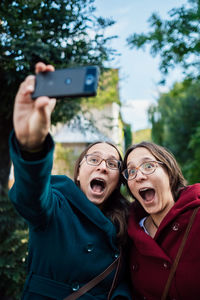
103,159
138,168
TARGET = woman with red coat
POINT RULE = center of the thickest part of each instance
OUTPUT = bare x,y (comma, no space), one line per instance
157,223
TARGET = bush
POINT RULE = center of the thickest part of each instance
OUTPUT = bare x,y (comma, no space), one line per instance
13,251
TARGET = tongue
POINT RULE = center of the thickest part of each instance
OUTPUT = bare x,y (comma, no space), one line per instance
149,194
97,188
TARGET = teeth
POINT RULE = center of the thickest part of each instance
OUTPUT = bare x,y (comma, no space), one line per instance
143,189
98,184
99,179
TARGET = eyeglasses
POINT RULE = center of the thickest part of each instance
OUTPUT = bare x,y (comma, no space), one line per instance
95,160
145,168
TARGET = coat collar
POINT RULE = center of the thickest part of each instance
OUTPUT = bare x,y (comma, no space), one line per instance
78,199
144,242
189,199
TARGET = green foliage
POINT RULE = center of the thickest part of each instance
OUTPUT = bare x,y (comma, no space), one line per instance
127,135
107,91
65,159
142,135
64,33
13,249
175,125
175,119
175,39
125,193
192,168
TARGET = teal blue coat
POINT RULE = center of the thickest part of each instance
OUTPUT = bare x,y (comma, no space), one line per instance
70,240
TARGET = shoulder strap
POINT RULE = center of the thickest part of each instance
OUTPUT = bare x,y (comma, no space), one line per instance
88,286
115,279
180,250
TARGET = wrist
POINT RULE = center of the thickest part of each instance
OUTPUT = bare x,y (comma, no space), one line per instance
31,145
36,149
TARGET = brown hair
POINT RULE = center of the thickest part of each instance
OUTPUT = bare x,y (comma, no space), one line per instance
176,179
116,207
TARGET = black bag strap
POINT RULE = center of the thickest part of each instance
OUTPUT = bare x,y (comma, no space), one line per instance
180,250
92,283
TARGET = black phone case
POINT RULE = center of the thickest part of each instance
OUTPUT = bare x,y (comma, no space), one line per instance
71,82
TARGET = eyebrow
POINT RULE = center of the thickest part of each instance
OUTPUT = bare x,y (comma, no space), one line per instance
143,160
99,153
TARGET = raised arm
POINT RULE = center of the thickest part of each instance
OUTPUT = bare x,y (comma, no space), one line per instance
32,152
32,118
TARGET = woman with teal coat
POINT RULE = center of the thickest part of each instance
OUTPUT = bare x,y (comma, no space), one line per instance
76,228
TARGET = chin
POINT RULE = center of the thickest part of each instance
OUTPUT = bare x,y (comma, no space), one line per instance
98,203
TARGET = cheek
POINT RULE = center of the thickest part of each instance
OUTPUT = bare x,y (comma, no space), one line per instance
115,180
81,174
163,179
131,187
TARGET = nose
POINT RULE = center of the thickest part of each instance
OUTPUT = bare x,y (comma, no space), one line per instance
140,176
102,165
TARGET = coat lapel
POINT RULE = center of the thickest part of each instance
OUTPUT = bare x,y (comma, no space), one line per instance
78,199
146,245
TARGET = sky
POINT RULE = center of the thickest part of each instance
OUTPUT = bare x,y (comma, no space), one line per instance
138,70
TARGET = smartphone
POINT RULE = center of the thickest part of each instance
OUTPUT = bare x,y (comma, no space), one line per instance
70,82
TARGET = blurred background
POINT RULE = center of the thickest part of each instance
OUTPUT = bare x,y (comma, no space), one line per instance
149,88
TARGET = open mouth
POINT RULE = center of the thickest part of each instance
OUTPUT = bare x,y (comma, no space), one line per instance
98,185
147,194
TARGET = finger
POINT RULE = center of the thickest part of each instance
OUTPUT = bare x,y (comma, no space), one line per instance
45,101
30,79
29,84
52,104
26,87
50,68
41,67
45,106
41,102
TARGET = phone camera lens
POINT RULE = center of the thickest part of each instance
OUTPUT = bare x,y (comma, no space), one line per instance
89,79
68,81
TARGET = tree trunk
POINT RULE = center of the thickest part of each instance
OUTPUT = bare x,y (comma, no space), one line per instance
5,163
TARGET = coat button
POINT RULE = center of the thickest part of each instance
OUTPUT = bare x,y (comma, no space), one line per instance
165,265
89,248
175,226
75,286
116,255
135,267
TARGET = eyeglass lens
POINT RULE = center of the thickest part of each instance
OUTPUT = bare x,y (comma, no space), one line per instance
146,168
96,160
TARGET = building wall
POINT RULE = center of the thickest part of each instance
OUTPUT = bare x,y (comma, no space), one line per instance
107,121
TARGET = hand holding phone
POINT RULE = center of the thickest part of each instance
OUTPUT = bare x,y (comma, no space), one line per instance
70,82
32,119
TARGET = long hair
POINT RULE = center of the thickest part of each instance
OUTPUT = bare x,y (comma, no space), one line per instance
116,207
176,178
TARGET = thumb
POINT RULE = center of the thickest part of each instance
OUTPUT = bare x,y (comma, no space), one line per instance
52,104
45,107
45,104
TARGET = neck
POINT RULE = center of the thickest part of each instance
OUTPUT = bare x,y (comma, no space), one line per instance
154,223
160,216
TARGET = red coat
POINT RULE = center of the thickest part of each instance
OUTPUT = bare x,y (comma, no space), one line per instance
151,259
